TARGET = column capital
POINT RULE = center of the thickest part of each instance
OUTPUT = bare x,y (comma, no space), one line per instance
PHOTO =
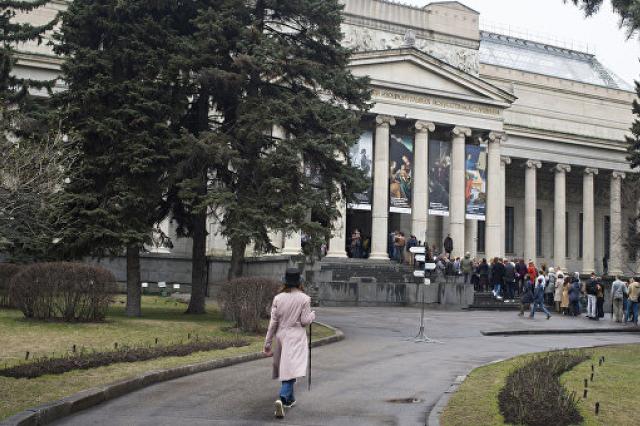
533,164
562,168
425,126
497,137
505,161
461,131
385,120
590,171
618,175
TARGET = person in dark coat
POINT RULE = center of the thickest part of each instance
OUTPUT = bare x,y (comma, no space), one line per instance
497,277
538,298
574,295
510,279
521,270
483,271
527,295
448,245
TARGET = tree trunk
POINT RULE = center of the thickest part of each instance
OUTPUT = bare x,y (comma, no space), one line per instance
237,259
198,265
134,293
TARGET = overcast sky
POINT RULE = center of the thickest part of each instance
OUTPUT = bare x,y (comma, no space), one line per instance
553,18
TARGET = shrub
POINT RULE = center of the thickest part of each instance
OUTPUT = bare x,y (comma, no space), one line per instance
246,301
534,396
63,291
7,271
86,360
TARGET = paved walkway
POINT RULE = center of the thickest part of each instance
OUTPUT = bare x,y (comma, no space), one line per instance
353,379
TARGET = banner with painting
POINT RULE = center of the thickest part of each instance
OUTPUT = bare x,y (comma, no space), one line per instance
475,182
439,169
361,155
400,172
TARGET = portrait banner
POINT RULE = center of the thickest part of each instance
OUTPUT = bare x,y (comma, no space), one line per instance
400,172
361,155
439,169
475,182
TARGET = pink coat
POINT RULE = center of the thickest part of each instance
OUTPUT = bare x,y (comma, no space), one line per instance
290,313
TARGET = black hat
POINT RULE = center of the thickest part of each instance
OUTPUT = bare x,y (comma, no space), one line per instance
292,277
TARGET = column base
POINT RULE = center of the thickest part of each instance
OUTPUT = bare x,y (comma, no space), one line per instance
336,255
614,273
291,252
379,256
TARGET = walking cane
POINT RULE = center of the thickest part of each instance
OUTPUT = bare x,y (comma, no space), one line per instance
309,377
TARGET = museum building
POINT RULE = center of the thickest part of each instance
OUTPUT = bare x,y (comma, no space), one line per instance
514,147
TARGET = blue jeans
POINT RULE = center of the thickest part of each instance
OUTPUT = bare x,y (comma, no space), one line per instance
575,307
537,304
286,391
632,306
496,289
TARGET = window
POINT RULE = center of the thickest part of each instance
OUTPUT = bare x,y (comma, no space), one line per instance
509,230
581,235
539,233
607,235
566,234
480,245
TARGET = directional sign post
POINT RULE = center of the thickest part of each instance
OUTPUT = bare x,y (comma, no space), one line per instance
425,273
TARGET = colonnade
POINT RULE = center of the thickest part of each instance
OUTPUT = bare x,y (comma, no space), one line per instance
464,233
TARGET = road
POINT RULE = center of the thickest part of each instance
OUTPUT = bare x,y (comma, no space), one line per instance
353,380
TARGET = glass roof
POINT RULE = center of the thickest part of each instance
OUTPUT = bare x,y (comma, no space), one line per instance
526,55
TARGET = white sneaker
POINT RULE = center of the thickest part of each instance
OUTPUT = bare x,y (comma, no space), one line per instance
279,409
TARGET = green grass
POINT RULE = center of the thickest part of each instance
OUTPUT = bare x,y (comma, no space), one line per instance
615,386
162,318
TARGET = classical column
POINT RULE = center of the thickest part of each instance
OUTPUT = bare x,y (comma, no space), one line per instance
560,216
471,237
380,207
588,221
530,196
420,208
494,218
456,190
616,254
504,162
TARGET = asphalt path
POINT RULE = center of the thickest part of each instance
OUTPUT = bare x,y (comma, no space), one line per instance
354,381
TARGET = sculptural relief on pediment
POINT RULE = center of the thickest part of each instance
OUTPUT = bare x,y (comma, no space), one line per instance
364,39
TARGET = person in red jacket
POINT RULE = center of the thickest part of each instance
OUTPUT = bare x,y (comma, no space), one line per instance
532,271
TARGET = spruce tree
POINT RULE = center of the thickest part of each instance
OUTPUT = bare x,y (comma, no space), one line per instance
30,171
286,67
122,101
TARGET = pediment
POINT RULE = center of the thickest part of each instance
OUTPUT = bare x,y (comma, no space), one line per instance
413,70
451,5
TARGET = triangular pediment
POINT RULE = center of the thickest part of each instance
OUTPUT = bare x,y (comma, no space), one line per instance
456,5
413,70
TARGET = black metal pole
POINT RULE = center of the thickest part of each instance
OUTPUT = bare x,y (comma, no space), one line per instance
309,378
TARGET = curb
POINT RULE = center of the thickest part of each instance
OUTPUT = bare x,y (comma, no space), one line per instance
433,419
561,331
52,411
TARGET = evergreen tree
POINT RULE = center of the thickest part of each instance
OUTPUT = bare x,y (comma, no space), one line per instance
286,67
123,98
30,172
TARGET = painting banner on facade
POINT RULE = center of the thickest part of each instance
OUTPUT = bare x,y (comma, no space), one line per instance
475,182
361,155
400,172
439,168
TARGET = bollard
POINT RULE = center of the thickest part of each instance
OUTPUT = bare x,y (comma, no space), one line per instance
592,368
188,336
115,345
592,377
26,357
156,340
74,349
586,383
600,362
585,393
597,408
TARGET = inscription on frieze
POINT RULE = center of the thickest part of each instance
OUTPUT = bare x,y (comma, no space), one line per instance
435,101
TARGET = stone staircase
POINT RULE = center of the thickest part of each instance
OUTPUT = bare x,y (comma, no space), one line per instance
484,300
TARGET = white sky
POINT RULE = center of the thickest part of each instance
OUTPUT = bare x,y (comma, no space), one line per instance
566,22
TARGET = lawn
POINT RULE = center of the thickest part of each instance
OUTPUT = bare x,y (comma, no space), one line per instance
163,319
615,386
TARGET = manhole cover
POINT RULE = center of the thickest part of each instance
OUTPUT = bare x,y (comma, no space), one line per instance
404,400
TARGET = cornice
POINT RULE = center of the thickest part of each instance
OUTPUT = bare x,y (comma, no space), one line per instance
565,138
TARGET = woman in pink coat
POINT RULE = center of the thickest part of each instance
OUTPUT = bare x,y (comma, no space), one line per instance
290,314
